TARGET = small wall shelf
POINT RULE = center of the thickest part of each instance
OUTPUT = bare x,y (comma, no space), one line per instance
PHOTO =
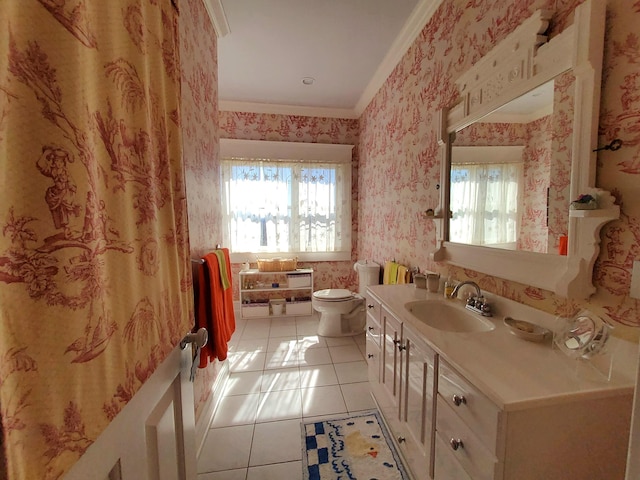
262,293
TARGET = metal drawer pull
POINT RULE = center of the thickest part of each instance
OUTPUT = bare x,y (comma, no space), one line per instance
371,329
459,400
401,439
402,347
456,443
370,355
370,306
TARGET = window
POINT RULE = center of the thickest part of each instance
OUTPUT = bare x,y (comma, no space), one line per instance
286,198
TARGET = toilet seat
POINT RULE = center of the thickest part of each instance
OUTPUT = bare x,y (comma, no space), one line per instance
334,295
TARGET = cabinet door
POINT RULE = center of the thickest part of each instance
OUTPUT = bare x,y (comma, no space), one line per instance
392,335
417,392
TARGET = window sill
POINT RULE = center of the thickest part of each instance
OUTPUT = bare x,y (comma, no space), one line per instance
241,257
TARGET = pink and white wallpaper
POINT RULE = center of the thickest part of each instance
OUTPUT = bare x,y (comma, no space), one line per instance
399,159
199,115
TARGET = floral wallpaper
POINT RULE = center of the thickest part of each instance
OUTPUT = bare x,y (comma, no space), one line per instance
296,128
94,278
399,159
199,114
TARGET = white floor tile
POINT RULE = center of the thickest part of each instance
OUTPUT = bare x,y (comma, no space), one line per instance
283,344
251,345
307,326
281,359
240,474
226,449
310,341
357,396
282,405
352,372
283,328
236,410
317,376
339,341
280,379
345,353
314,356
241,383
256,328
276,442
277,471
247,361
322,401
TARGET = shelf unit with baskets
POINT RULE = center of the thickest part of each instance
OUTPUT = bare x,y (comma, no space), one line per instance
276,293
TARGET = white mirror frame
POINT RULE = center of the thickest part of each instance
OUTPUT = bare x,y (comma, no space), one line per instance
521,62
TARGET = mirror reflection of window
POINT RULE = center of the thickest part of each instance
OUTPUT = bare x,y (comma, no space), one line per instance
485,203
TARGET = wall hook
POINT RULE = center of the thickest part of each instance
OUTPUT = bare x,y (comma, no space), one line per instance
614,145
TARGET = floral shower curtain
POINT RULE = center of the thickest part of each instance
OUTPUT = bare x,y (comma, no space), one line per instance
94,279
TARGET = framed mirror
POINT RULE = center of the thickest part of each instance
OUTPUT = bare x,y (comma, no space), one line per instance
518,148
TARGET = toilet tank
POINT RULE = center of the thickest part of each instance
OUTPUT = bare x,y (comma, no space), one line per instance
368,274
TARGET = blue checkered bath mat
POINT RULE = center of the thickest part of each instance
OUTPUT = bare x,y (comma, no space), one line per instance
355,447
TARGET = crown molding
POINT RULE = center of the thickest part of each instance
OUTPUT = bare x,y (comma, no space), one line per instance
421,14
218,17
278,109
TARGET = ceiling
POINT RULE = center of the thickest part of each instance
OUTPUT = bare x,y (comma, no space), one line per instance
348,47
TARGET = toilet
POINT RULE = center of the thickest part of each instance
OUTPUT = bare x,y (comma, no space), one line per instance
342,312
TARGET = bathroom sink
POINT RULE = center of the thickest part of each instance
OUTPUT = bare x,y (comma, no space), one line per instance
444,315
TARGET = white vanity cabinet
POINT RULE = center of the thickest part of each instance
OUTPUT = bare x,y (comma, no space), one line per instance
404,389
573,439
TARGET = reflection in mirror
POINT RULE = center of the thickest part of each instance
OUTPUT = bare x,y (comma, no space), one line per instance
510,173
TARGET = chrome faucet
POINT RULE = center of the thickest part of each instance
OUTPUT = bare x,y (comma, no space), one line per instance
462,284
475,303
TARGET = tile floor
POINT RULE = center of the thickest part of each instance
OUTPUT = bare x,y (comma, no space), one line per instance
281,373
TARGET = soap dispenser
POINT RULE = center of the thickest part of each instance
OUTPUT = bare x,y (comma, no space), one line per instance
449,285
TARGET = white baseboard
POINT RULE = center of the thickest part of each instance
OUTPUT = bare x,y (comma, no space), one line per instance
210,406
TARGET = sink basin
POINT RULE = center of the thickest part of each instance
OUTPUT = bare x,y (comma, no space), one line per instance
443,315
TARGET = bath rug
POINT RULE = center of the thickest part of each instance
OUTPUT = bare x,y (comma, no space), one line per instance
354,447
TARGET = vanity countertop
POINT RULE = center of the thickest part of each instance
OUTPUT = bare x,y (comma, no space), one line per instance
515,373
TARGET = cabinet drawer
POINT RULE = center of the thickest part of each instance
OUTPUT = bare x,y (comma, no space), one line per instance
471,452
372,305
475,409
374,331
447,466
373,358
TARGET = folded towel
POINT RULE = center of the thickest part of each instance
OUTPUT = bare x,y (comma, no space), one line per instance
385,274
393,273
215,306
224,276
402,274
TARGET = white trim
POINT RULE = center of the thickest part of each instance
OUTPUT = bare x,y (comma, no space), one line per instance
278,109
421,14
329,152
211,405
218,17
241,257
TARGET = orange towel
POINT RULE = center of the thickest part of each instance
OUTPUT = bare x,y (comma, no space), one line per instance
215,307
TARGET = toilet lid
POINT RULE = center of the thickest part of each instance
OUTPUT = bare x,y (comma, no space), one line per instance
333,294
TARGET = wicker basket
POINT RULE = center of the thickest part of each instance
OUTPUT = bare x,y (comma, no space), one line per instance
277,264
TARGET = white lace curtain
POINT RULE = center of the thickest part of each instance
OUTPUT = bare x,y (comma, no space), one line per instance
485,204
286,206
